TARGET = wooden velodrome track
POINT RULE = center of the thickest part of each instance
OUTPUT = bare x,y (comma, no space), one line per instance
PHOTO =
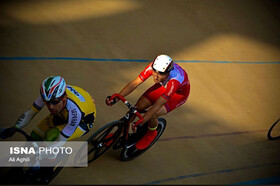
230,49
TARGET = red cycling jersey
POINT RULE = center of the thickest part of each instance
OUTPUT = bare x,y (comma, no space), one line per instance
175,88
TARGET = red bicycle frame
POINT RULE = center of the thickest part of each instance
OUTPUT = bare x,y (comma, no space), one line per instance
130,107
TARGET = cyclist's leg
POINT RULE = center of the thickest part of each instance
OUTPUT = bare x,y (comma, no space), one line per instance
149,97
174,102
153,122
52,134
38,133
143,103
46,129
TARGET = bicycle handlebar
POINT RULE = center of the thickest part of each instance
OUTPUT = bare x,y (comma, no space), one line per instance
133,109
28,138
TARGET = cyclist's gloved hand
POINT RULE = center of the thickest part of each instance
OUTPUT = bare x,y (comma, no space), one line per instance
110,102
7,132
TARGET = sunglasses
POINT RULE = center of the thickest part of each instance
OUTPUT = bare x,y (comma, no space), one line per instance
161,73
54,101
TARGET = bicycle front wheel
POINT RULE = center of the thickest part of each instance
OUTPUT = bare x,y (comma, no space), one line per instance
102,140
274,131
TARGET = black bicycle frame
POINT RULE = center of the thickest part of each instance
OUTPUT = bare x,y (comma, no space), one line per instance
126,121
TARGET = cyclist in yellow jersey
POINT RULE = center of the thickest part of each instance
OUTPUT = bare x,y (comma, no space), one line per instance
72,112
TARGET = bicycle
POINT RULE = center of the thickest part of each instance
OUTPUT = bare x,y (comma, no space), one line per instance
116,135
274,131
35,174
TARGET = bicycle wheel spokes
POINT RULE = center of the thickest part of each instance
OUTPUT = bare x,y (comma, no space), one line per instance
102,136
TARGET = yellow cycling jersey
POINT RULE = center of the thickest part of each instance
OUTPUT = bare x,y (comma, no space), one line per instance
82,99
80,109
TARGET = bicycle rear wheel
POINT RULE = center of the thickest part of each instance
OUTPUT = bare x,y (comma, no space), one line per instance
274,131
44,175
101,141
54,171
130,152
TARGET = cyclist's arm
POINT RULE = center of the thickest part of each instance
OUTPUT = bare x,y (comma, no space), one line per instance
74,118
27,116
131,86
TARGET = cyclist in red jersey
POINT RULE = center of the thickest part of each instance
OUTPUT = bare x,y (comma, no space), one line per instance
171,90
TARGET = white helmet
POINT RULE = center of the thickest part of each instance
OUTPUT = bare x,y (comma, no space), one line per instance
163,64
53,87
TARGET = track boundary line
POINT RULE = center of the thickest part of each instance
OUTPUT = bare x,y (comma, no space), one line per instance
212,135
27,58
209,173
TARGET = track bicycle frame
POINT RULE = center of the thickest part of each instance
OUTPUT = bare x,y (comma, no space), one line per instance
128,115
116,135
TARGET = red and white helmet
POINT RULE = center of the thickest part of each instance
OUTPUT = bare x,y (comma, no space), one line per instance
53,87
162,64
